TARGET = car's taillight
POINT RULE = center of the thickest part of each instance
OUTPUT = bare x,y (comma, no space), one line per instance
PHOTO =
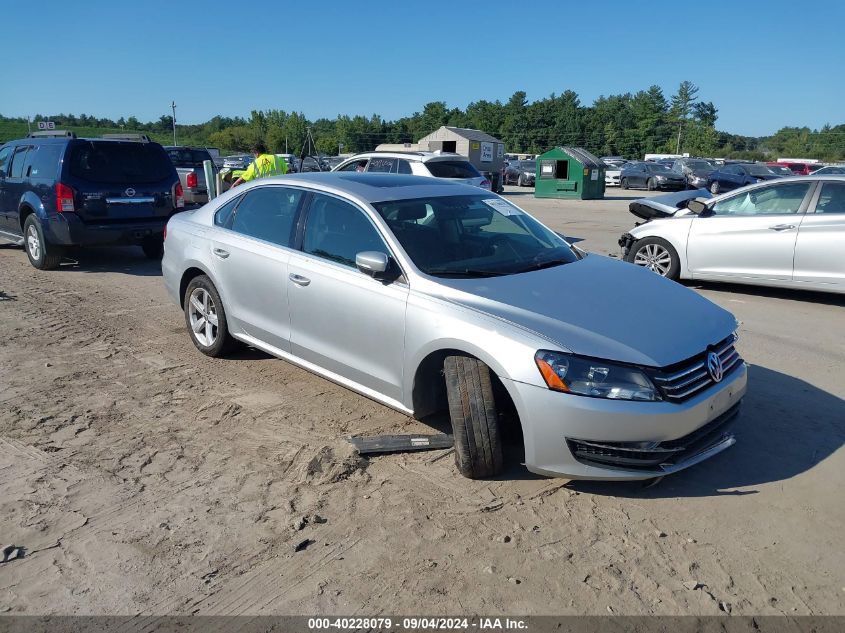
485,184
180,195
64,198
192,180
164,235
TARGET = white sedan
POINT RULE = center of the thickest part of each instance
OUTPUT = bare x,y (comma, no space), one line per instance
789,233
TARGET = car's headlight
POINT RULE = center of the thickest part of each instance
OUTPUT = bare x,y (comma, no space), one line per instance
661,177
592,377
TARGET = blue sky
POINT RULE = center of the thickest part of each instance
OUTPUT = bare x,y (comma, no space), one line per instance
764,64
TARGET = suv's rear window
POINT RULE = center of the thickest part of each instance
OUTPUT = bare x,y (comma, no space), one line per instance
452,169
115,162
186,157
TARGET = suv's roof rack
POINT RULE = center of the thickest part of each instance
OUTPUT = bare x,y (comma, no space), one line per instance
128,137
52,134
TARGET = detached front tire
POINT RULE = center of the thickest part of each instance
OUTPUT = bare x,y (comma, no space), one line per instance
206,318
475,423
42,255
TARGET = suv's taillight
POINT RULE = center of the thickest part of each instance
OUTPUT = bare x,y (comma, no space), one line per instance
191,181
164,235
64,198
179,194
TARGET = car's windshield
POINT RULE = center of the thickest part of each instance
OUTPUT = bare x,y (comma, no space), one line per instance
759,170
472,236
528,165
659,169
699,164
187,157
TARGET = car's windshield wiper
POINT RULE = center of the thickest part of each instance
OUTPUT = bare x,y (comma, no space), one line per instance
549,263
466,272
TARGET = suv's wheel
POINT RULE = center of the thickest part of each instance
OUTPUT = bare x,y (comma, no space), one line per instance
624,183
472,408
206,318
657,255
41,254
714,188
153,248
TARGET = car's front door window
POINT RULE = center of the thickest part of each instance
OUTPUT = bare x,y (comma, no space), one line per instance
337,231
355,165
774,200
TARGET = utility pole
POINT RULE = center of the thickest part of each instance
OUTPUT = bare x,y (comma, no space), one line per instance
678,147
28,125
173,106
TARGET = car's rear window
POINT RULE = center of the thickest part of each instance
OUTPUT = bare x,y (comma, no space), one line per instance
186,157
116,162
452,169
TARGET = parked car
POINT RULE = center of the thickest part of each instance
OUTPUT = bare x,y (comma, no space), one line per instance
650,176
521,173
430,296
799,168
617,161
832,170
779,170
432,164
734,175
612,175
787,233
188,162
694,170
238,161
57,190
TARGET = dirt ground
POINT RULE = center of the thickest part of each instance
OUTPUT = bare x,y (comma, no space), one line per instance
141,477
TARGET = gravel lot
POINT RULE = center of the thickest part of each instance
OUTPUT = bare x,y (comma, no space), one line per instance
144,478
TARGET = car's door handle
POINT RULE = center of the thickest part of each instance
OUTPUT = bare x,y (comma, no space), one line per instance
299,280
221,253
782,227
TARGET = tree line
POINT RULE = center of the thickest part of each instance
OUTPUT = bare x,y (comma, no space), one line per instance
628,125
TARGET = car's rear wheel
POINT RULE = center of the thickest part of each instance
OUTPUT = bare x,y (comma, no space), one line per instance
42,255
714,188
153,248
475,423
623,183
206,318
657,255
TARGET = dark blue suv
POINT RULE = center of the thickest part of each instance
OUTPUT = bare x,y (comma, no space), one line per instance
57,191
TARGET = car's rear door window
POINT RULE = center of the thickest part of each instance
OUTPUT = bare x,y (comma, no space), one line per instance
404,167
832,198
268,213
774,200
116,162
452,169
223,216
337,230
18,161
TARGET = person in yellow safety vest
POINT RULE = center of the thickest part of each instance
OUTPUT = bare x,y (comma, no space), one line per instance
263,166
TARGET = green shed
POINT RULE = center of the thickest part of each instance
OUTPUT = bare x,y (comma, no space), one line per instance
569,172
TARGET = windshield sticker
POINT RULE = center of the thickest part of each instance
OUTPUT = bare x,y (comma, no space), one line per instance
502,206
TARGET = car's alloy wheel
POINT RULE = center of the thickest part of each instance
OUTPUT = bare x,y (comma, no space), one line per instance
714,188
42,255
623,183
655,257
202,314
33,243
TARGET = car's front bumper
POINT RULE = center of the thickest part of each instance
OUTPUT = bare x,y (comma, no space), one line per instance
556,424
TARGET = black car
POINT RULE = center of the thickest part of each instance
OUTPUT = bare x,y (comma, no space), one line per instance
652,176
57,190
735,175
521,172
694,170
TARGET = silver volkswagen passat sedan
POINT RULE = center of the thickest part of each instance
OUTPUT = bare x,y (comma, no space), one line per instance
430,296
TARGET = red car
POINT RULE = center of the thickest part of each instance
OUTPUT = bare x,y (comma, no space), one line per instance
799,169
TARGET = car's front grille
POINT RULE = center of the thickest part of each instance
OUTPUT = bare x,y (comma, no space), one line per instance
687,378
653,456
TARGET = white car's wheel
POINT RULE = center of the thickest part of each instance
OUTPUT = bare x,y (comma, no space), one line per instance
657,255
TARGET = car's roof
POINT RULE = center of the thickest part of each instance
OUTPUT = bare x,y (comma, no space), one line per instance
377,187
413,155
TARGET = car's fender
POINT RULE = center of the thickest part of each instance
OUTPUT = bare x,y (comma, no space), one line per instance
674,230
30,200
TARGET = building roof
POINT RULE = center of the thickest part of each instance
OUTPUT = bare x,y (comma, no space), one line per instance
464,132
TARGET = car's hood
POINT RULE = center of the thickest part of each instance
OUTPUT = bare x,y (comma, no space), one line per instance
601,308
702,173
665,205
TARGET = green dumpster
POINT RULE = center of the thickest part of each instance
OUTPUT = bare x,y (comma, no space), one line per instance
569,172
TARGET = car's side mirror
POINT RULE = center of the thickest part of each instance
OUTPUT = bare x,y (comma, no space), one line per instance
372,263
696,206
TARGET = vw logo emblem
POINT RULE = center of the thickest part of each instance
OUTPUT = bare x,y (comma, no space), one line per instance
714,366
130,192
